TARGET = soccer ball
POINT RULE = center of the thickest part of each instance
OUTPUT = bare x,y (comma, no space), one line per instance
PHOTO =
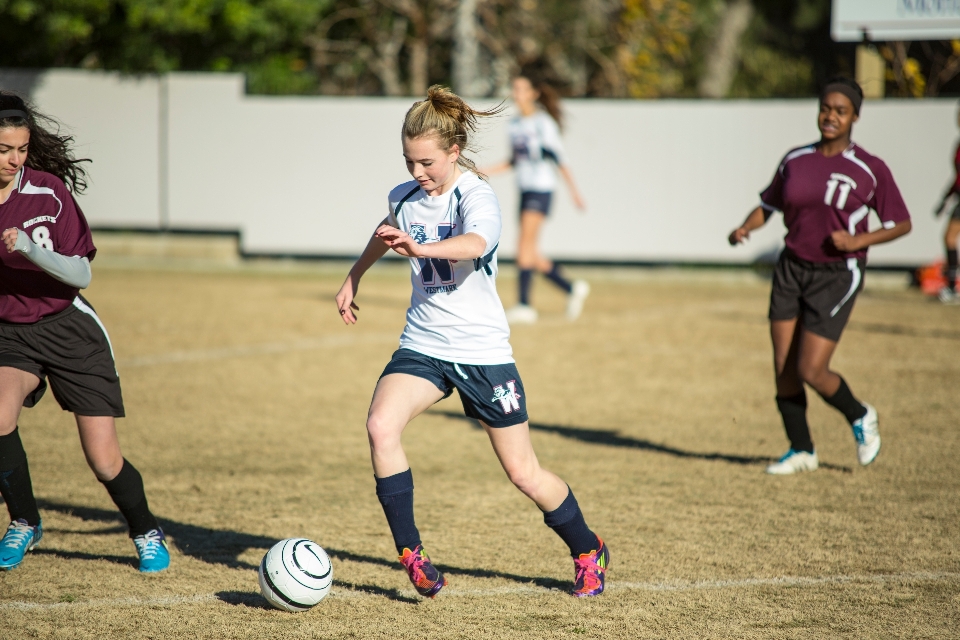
295,574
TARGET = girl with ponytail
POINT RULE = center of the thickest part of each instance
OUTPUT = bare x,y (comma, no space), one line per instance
49,331
537,155
447,222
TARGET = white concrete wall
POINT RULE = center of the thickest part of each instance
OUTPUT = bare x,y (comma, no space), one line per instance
664,181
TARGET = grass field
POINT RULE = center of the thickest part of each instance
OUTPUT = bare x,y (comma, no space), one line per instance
246,400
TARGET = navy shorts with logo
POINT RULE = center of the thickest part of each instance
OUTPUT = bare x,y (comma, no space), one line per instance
536,201
72,350
492,393
821,294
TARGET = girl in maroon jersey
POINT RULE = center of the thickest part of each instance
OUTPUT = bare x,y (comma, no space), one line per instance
48,331
948,295
826,191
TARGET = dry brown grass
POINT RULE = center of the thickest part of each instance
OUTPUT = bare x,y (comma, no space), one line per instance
247,400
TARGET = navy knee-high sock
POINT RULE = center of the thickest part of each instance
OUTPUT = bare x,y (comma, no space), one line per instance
952,269
127,493
568,523
557,278
15,485
526,277
844,402
396,497
794,413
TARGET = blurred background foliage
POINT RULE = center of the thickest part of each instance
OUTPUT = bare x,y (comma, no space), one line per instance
598,48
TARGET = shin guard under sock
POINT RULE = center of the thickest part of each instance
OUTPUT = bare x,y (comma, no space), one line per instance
526,277
844,402
15,485
794,413
557,278
127,493
568,523
952,269
396,497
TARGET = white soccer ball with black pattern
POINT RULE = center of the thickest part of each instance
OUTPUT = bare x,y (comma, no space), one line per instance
295,574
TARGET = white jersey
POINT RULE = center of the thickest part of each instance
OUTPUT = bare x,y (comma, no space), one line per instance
455,313
536,149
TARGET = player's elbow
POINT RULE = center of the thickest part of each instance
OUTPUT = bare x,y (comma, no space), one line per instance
477,247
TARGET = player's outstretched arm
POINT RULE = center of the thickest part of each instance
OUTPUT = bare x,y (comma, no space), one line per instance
374,250
757,218
468,246
494,169
572,187
70,270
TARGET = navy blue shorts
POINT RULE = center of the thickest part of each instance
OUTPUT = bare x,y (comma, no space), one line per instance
535,201
492,392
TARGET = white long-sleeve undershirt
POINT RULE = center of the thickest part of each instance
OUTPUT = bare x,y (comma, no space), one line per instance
70,270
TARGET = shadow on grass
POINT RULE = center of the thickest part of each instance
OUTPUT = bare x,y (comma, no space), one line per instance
224,547
127,561
249,599
611,438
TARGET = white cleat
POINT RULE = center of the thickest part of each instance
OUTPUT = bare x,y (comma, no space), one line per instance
867,432
948,296
522,314
578,295
794,462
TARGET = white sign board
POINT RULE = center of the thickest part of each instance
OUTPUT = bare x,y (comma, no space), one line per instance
880,20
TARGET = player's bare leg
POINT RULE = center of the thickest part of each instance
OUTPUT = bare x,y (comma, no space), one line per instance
398,399
518,459
101,446
791,398
948,294
591,557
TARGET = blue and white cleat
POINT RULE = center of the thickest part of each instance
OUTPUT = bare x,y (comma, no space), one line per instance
794,462
19,539
152,548
866,430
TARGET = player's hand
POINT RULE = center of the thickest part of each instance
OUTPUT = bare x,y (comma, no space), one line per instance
738,235
398,240
845,242
10,239
345,302
579,203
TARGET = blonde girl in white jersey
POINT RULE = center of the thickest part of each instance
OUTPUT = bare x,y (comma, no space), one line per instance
537,155
447,222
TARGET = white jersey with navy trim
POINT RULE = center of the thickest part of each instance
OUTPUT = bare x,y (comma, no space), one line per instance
537,150
455,313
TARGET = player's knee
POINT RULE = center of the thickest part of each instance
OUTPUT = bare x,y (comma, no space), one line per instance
105,467
812,374
381,430
524,477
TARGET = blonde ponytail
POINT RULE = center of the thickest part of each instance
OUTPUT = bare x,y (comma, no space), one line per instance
445,115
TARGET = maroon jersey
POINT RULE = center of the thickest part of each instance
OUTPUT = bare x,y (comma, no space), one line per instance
820,195
41,206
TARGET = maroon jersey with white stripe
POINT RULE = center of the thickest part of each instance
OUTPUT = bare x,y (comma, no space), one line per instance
820,195
41,206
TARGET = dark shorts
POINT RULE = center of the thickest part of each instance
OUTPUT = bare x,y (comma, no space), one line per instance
492,392
956,211
821,294
73,351
535,201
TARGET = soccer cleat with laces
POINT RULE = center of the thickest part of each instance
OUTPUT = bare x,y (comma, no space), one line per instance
425,577
522,314
794,461
152,549
20,538
591,571
866,430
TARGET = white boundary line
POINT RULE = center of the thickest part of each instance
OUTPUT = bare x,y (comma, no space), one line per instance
268,348
783,581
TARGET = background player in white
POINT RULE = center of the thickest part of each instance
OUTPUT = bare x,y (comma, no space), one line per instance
447,221
537,154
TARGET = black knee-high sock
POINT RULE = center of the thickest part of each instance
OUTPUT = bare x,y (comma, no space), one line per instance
568,523
844,402
794,413
127,493
557,278
952,269
15,485
396,497
526,277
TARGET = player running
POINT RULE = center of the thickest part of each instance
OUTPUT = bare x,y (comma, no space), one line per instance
825,191
948,294
48,330
537,148
447,222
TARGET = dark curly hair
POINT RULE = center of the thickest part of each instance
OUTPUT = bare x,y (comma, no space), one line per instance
49,151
